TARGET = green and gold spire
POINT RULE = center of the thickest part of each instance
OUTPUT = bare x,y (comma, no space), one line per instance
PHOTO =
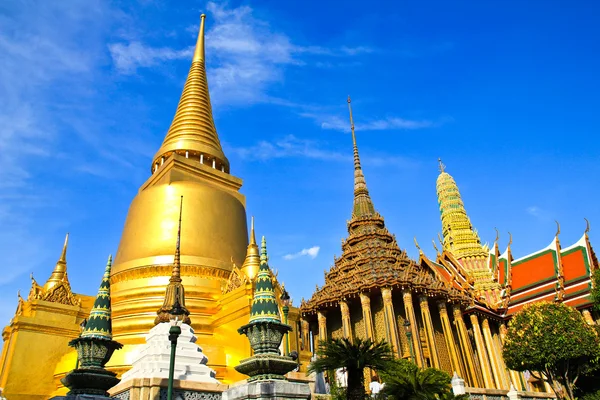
363,206
460,239
99,324
174,303
264,303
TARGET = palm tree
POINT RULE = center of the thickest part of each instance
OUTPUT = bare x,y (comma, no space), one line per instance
355,357
405,381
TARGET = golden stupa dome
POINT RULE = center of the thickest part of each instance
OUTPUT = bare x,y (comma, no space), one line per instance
190,163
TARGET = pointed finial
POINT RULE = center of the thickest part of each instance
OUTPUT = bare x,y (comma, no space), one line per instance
63,255
497,234
441,165
587,225
263,250
440,239
199,51
176,273
417,245
557,228
108,267
435,247
509,239
252,234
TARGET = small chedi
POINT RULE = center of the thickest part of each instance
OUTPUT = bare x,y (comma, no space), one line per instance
267,367
94,348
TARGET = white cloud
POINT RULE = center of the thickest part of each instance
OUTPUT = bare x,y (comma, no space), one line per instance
128,57
391,123
538,213
312,252
288,146
245,55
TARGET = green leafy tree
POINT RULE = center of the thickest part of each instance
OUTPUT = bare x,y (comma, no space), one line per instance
554,343
596,289
405,381
355,357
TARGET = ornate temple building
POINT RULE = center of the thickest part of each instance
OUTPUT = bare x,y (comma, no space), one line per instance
449,313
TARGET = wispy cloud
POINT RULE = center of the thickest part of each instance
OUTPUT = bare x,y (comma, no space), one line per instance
312,252
333,122
538,212
291,146
128,57
246,56
288,146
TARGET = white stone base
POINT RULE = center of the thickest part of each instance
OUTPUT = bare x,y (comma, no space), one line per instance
152,359
268,390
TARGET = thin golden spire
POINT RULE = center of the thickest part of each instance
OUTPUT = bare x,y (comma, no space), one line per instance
60,269
252,234
176,273
442,167
193,131
362,201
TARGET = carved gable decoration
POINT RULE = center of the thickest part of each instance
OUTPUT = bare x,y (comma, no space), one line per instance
236,279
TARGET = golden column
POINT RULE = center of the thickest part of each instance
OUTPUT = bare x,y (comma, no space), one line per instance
588,317
365,302
465,344
390,321
322,325
429,333
305,335
515,377
346,327
410,315
449,337
499,376
484,362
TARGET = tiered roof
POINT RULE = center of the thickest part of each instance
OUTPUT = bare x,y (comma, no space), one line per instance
371,257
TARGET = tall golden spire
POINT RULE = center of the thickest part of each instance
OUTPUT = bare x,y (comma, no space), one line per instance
193,131
460,238
174,303
252,260
363,206
59,274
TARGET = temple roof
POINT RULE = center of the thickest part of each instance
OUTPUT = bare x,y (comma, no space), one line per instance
193,127
370,256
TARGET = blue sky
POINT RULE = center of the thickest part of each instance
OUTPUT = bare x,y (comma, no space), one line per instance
506,93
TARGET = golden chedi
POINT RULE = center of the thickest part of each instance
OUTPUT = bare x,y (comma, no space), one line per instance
190,163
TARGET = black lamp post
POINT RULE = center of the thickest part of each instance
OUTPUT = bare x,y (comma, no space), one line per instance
174,333
408,331
285,301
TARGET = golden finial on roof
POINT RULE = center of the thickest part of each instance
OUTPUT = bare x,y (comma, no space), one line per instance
176,272
435,247
557,228
441,165
509,239
587,226
59,273
252,261
497,234
193,127
417,245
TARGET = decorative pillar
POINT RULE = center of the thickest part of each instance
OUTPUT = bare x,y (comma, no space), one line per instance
515,377
346,327
429,332
499,375
365,302
466,348
410,315
449,337
484,362
322,326
304,335
390,321
588,316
